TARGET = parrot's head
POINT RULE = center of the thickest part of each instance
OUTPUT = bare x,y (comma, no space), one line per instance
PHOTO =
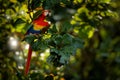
46,13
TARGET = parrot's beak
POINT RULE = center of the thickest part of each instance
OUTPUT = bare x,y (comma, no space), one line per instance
49,14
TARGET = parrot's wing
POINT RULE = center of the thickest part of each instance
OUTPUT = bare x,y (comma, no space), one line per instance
31,30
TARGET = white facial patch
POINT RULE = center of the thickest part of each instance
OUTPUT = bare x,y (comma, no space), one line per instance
46,13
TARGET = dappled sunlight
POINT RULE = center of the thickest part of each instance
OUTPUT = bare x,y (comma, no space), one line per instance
13,43
81,43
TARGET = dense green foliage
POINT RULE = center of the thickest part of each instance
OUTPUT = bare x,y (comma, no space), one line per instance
82,43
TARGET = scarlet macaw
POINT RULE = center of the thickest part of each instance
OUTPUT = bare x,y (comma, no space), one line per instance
39,25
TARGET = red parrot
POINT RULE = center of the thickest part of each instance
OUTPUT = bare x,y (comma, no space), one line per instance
38,25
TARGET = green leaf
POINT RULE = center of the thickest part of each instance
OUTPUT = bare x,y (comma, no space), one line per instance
105,1
78,43
53,29
35,3
37,14
26,27
67,39
67,50
50,3
54,50
54,59
18,21
43,45
57,39
39,45
50,58
64,59
65,27
35,45
30,38
70,49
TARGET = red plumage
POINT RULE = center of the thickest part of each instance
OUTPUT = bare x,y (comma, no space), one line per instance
27,66
41,21
43,25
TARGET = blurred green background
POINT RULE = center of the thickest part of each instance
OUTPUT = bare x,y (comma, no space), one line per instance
82,43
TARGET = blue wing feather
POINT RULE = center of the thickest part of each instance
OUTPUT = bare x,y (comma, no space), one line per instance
31,30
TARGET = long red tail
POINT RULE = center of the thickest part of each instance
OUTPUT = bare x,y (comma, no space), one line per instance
27,66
